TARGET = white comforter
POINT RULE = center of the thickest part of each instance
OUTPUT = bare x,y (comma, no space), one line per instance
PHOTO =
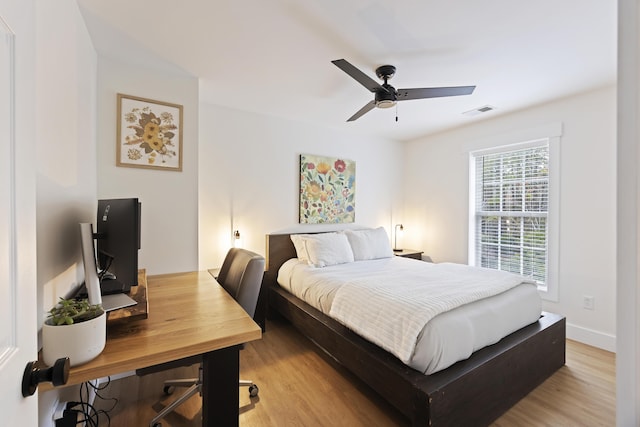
428,315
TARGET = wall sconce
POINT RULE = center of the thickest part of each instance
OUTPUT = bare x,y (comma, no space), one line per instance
237,242
395,239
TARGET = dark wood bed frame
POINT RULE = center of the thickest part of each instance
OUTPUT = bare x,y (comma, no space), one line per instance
473,392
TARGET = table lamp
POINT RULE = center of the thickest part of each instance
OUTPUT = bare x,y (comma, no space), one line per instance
395,239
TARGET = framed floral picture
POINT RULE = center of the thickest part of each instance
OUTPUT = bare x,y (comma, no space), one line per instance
149,134
327,190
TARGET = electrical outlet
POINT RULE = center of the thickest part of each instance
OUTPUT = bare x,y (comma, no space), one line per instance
588,302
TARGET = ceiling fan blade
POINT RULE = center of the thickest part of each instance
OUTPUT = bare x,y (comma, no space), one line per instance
359,76
433,92
368,107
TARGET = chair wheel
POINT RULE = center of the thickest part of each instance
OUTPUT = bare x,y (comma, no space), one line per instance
253,390
157,425
168,389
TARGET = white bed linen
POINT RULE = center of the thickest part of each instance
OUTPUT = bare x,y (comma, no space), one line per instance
450,336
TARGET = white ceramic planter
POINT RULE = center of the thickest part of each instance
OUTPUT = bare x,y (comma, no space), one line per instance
80,342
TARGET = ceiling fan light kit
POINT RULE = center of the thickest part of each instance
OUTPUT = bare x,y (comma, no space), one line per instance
385,103
385,95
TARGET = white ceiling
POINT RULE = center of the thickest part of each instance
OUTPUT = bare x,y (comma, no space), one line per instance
274,57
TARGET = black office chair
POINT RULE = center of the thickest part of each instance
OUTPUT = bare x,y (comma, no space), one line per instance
240,275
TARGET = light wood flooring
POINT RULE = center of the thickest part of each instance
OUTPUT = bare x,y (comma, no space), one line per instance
300,386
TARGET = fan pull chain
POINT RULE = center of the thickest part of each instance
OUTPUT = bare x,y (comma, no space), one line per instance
396,111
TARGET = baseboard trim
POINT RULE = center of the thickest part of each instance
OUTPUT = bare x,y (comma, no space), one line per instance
591,337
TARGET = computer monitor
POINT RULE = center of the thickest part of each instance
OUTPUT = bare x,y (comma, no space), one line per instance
118,240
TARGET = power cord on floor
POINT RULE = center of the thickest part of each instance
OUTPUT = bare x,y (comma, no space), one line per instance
91,415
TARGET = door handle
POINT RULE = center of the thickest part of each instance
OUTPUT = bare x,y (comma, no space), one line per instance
58,374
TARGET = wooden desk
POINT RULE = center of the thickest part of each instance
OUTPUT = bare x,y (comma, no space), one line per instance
189,314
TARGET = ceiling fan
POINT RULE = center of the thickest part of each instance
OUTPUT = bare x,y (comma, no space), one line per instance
386,95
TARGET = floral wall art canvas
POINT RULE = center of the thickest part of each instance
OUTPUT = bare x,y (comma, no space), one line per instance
327,190
149,134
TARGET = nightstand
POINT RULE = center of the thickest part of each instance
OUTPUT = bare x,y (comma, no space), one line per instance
409,253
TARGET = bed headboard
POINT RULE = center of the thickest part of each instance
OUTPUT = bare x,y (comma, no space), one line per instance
279,249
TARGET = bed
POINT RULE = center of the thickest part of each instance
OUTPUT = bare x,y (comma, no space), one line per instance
474,391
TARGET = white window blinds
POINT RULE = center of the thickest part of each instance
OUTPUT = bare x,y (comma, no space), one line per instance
511,211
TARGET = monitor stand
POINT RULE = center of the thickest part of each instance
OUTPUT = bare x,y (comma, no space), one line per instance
113,296
117,301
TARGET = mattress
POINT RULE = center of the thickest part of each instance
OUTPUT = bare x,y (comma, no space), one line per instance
448,337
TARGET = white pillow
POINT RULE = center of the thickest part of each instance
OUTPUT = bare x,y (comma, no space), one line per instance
369,243
325,249
299,244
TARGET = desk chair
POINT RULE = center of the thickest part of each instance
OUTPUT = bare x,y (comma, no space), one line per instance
241,276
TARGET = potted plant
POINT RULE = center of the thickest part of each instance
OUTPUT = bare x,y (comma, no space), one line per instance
74,329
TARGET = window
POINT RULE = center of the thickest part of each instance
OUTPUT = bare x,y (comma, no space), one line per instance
510,210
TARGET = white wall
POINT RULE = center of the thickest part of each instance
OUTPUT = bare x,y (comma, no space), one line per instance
65,155
437,201
169,199
250,174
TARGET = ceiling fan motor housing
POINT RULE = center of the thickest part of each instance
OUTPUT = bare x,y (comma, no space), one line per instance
386,99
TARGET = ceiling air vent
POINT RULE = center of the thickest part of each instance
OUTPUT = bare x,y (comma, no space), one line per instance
479,110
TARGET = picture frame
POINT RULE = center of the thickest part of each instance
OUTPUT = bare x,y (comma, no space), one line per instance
149,134
327,190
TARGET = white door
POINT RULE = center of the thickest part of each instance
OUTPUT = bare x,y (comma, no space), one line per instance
18,340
